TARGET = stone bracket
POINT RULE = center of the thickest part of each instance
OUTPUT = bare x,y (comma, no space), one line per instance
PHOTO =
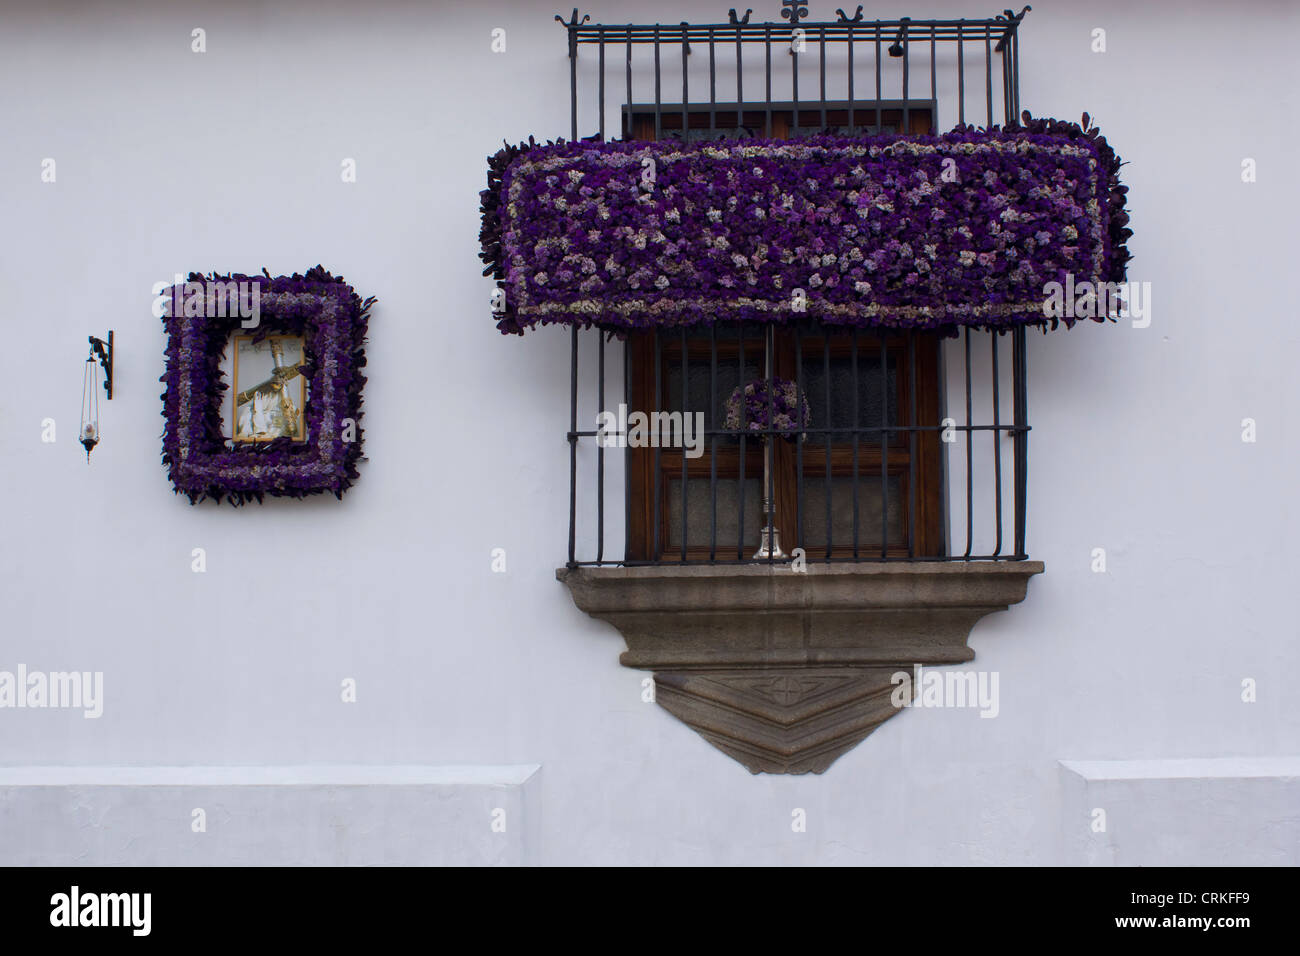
783,670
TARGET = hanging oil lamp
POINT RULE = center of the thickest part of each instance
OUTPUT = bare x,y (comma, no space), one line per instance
102,350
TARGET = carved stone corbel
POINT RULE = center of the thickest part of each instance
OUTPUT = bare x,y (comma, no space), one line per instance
782,670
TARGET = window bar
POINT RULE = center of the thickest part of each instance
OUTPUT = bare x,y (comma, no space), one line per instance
961,74
1020,400
713,443
627,451
601,86
997,446
794,84
970,451
658,404
849,43
686,96
713,83
934,91
822,39
907,126
573,444
573,89
628,130
740,82
744,427
857,425
1015,76
911,444
879,119
769,453
600,448
686,410
658,94
1007,105
767,115
798,443
886,435
830,435
988,74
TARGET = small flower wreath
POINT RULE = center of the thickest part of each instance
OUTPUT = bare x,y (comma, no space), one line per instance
788,406
332,320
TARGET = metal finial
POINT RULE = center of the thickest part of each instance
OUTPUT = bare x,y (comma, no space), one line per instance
737,21
573,21
792,10
845,18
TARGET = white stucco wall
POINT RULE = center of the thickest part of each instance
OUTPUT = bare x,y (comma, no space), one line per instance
169,161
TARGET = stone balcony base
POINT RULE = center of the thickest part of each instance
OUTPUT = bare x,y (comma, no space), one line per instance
782,670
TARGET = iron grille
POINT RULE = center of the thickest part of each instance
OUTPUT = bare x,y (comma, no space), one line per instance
989,383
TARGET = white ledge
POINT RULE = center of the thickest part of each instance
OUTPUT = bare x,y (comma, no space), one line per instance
1185,768
341,775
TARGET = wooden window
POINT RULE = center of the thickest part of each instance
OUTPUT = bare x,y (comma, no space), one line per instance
829,489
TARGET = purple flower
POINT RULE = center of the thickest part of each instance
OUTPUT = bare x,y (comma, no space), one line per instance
749,408
332,319
734,232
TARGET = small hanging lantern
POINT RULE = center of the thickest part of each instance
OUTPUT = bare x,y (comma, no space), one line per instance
89,437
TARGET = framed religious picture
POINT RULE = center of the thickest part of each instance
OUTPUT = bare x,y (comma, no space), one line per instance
283,357
269,393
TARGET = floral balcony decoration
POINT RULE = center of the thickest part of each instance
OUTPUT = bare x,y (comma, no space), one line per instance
331,320
896,231
748,409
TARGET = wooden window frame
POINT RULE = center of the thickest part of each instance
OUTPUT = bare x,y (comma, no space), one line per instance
927,389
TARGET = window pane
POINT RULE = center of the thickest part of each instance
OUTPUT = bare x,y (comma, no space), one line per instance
861,129
869,500
698,504
698,383
839,414
704,134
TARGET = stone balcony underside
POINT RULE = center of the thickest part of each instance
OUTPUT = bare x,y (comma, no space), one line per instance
782,670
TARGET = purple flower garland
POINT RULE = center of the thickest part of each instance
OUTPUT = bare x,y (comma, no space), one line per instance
789,407
966,228
332,319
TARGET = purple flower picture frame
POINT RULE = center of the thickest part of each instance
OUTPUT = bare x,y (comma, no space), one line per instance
331,318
